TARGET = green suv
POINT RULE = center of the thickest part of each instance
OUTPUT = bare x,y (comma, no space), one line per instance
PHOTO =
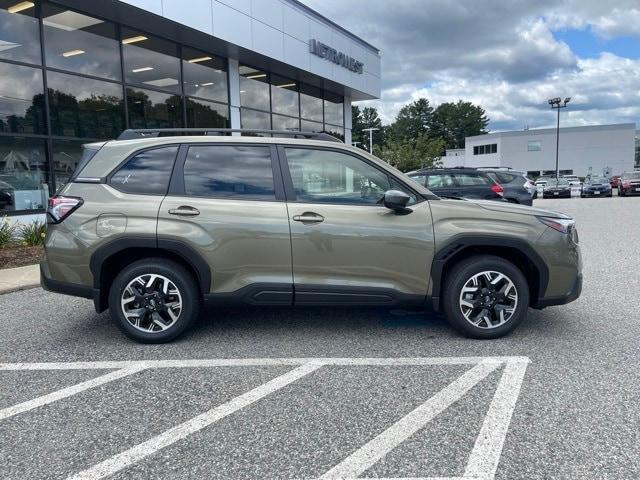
151,225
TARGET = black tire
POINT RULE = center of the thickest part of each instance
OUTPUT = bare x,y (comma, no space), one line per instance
461,273
179,276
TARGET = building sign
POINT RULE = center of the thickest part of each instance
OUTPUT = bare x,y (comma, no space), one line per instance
339,58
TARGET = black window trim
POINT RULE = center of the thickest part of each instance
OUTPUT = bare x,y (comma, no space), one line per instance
177,188
110,175
290,190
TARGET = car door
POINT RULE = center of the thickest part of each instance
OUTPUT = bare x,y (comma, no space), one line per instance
227,205
443,184
346,246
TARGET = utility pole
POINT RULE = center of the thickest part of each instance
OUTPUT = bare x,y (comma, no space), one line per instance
556,104
370,130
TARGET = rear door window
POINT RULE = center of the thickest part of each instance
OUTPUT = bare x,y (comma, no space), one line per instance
468,180
146,173
229,171
440,181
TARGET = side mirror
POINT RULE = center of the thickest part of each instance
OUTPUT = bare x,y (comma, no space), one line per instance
397,201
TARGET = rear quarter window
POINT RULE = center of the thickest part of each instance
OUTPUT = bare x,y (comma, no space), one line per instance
147,172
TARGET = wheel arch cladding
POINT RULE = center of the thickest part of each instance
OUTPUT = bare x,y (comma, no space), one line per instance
107,261
516,251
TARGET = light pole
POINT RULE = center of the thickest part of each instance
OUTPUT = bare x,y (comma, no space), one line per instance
557,104
370,130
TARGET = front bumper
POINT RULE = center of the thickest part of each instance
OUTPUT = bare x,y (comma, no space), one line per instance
572,295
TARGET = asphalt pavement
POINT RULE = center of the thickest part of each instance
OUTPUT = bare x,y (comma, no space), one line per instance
280,393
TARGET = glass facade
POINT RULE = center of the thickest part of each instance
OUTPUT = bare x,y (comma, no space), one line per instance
70,78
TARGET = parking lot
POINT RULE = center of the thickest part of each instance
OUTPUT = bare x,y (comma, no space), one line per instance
329,393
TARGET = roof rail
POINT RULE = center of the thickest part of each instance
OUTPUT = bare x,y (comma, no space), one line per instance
158,132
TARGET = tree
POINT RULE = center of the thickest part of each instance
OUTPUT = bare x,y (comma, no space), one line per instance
366,118
407,155
455,121
412,121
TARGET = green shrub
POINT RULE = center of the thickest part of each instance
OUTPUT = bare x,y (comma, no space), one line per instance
7,232
33,234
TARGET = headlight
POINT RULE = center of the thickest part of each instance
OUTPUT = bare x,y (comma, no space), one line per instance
562,225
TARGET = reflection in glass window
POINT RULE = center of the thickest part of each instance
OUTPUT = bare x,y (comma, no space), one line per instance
533,146
311,103
23,174
323,176
253,119
254,88
281,122
229,171
19,32
284,96
21,99
149,109
207,114
205,76
66,154
307,126
146,173
150,61
80,43
335,131
81,107
333,109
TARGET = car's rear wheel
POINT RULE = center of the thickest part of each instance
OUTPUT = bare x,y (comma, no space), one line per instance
154,300
485,297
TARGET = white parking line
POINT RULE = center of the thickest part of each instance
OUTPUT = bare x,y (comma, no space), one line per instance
137,453
67,392
370,453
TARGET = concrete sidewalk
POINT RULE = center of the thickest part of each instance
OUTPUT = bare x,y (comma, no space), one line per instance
20,278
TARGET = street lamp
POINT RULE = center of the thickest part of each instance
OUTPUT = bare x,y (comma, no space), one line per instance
370,130
557,104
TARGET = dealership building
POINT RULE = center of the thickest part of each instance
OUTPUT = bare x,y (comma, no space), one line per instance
77,71
596,149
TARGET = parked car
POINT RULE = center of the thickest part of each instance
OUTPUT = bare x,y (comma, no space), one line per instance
573,180
6,195
596,187
517,187
459,182
153,226
629,184
614,181
560,188
540,184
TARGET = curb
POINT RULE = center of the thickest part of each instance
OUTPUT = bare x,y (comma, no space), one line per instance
20,278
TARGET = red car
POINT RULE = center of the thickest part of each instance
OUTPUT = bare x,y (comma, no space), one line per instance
614,181
629,184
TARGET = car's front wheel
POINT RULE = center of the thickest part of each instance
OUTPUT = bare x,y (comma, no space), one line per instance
485,297
154,300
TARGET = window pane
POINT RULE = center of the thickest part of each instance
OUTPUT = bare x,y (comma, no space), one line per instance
534,146
323,176
253,119
440,181
335,131
333,109
494,148
204,75
229,171
311,103
150,61
66,154
81,107
254,88
79,43
420,179
285,123
308,126
284,96
149,109
21,99
207,114
471,180
146,173
23,174
20,35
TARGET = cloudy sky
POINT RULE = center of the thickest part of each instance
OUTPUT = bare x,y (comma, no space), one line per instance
507,56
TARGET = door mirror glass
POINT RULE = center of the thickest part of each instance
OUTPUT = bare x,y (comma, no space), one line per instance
396,200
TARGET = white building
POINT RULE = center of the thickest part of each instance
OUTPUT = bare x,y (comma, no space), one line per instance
582,150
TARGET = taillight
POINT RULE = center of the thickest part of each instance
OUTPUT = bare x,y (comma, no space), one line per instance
497,188
61,207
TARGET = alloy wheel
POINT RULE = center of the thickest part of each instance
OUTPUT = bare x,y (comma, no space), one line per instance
488,299
151,303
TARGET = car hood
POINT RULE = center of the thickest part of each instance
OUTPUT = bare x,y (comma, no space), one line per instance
515,208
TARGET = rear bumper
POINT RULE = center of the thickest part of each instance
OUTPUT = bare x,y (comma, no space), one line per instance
56,286
572,295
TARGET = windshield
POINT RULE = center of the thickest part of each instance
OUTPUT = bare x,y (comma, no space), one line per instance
598,180
561,182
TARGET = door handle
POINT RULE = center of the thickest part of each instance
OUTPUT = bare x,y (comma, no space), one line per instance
185,211
309,217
